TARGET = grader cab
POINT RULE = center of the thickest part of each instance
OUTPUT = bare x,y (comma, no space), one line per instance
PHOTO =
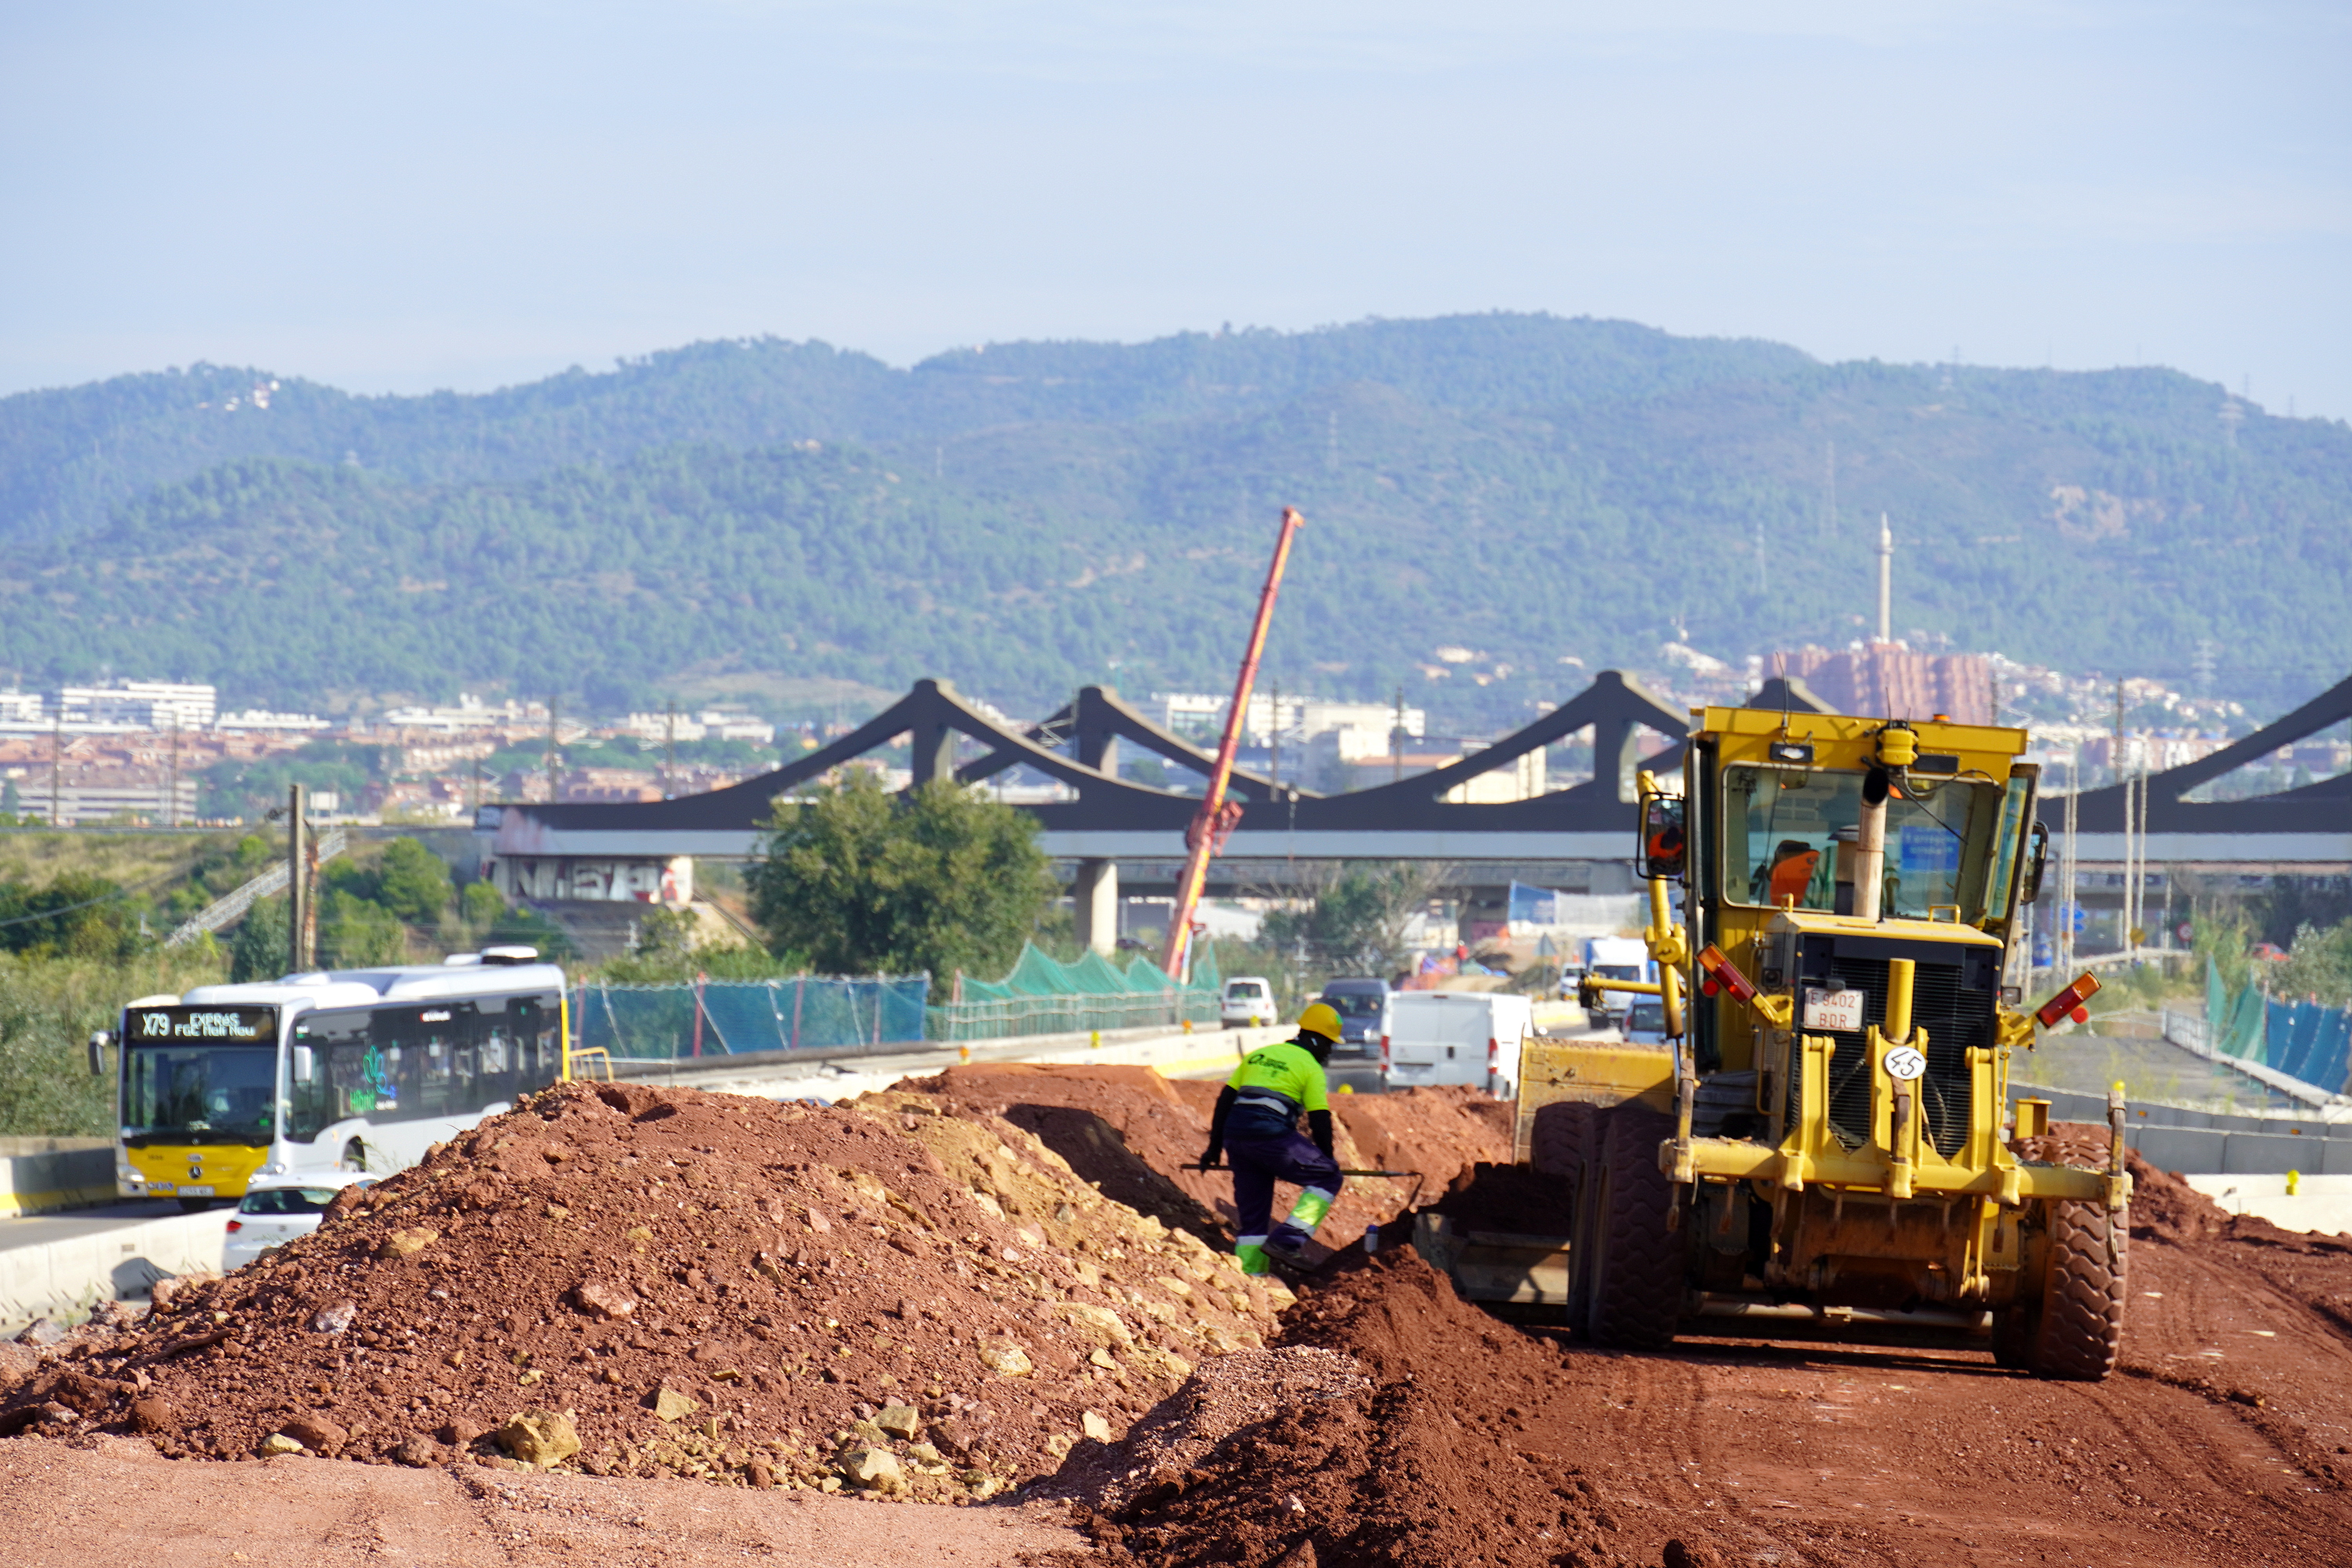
1825,1131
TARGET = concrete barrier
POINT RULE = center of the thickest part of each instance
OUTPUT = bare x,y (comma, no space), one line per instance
1174,1053
40,1175
68,1275
2321,1204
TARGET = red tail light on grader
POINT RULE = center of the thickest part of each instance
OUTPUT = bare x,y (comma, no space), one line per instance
1825,1129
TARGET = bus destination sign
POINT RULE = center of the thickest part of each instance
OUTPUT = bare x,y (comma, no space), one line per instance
202,1025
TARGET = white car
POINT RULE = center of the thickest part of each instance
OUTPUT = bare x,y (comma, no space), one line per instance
1249,1000
276,1209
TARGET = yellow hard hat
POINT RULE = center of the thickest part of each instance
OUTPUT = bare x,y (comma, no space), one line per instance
1321,1017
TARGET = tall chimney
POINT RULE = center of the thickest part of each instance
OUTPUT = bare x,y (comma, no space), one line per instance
1885,581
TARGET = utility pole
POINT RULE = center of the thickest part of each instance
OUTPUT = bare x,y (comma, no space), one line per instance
1886,580
2067,911
553,792
298,883
669,750
1274,738
172,779
1396,741
56,762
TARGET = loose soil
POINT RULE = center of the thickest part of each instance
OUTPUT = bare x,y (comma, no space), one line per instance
2225,1438
115,1504
699,1285
1388,1421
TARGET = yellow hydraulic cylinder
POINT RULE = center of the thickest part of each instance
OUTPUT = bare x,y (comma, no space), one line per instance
1900,973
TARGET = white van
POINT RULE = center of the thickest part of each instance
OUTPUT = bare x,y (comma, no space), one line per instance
1456,1037
1248,1001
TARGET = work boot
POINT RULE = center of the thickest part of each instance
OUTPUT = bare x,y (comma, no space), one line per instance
1287,1245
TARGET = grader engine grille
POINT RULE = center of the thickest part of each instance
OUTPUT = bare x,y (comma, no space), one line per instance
1956,1014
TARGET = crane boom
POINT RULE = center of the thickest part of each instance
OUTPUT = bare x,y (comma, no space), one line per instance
1215,822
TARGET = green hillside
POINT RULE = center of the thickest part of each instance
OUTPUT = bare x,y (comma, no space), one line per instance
1029,517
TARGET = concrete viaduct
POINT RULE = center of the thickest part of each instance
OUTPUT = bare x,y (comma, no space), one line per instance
1120,838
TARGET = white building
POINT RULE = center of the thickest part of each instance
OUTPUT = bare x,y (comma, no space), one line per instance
258,720
711,724
472,714
1198,715
139,705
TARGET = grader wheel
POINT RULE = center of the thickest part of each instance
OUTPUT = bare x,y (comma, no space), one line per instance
2082,1325
2074,1330
1634,1263
1561,1145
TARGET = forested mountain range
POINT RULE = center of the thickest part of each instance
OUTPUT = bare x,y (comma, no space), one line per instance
1024,518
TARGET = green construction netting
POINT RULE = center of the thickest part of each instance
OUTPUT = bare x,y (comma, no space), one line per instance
809,1012
1043,995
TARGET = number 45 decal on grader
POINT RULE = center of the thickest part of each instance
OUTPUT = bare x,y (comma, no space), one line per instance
1824,1130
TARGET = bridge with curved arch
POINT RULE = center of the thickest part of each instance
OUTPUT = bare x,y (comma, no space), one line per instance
1110,829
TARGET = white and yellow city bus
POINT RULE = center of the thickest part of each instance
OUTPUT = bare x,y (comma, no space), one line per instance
360,1069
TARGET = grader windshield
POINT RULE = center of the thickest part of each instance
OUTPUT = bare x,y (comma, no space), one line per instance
1951,844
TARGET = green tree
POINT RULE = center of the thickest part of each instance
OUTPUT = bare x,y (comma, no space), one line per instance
1355,924
259,949
356,933
76,915
479,906
413,883
861,882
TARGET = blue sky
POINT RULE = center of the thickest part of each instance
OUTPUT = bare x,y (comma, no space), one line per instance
399,198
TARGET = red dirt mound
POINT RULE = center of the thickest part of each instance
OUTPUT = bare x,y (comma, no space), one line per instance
690,1284
1464,1452
1163,1124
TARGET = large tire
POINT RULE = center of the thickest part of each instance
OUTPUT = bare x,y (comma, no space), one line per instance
1560,1145
2081,1313
1637,1265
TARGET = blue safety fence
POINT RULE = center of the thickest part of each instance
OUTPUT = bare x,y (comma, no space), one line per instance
2302,1039
732,1017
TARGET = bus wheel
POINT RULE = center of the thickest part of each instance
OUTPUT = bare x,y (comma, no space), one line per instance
356,1155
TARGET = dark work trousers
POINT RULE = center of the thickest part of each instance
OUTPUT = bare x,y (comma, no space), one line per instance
1263,1159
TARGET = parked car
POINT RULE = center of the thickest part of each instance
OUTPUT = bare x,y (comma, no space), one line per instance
1249,1000
1646,1023
1456,1037
276,1209
1363,1008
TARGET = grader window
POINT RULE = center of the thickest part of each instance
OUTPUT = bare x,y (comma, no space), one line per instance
1783,829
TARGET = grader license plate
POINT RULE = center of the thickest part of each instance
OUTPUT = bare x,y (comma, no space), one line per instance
1839,1012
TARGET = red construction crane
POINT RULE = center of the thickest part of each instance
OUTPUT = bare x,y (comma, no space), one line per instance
1217,817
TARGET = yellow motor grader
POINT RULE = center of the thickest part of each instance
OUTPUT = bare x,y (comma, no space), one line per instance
1827,1131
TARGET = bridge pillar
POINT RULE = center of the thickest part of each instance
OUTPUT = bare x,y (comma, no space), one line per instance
934,753
1094,901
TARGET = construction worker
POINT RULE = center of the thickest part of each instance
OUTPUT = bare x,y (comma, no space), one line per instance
1256,1123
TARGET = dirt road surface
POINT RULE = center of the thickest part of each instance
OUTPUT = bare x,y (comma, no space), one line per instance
121,1504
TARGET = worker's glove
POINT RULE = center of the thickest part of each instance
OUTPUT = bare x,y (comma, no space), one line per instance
1211,1155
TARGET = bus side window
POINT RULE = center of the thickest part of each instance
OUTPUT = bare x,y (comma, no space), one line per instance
538,1059
496,1057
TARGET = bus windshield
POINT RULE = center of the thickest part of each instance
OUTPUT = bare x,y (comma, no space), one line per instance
198,1094
199,1074
1781,828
